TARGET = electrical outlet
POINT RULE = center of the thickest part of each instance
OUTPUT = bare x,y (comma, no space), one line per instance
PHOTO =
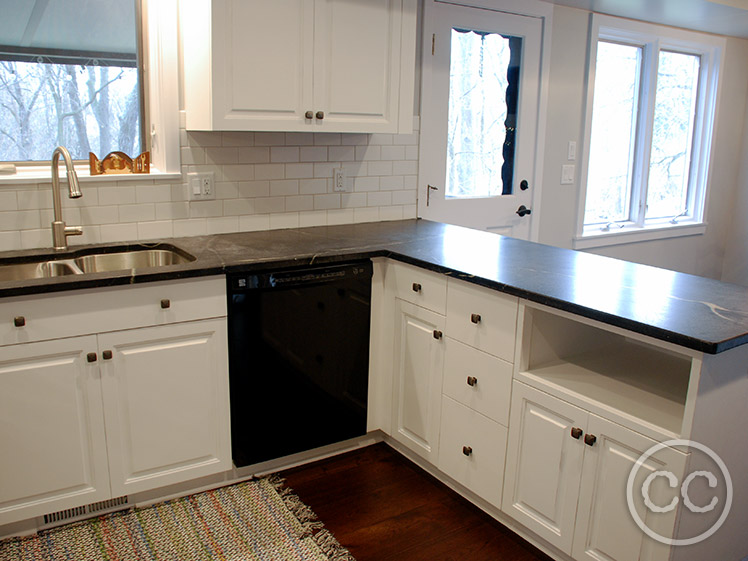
338,180
201,186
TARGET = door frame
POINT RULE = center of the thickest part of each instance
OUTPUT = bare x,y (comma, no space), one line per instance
528,8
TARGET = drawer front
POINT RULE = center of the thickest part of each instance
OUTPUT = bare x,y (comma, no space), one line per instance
478,380
472,450
419,286
81,312
482,318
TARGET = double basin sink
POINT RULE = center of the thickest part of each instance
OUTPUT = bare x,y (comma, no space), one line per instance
93,260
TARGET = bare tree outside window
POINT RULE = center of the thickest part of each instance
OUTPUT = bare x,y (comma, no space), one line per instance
85,107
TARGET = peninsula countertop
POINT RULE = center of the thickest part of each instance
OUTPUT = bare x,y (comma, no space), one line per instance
694,312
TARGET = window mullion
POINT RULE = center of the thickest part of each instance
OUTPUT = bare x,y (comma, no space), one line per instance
644,133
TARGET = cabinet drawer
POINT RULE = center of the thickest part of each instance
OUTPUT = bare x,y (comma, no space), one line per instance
482,318
419,286
478,380
472,450
51,316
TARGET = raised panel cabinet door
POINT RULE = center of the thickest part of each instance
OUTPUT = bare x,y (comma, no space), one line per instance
357,61
418,362
166,404
51,429
262,64
544,464
605,528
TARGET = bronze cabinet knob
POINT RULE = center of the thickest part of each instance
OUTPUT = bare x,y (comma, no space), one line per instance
309,114
320,115
91,357
576,432
416,287
471,381
475,318
19,321
165,303
590,439
106,355
467,450
438,334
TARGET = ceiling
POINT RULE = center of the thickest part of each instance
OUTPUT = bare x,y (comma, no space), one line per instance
724,17
78,25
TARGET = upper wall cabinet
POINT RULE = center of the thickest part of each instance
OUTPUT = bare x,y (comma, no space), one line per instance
299,65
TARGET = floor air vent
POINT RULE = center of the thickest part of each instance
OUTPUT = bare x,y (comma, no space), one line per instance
71,514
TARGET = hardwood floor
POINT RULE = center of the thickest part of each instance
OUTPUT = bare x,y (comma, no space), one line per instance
383,507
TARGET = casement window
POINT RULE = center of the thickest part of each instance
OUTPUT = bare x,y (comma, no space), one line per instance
72,73
651,103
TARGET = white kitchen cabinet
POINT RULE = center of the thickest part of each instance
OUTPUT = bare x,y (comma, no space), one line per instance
139,402
566,478
417,372
299,65
51,428
165,394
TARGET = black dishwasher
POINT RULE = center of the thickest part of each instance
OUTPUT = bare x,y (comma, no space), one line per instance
298,358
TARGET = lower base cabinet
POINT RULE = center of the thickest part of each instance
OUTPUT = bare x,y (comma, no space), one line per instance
566,476
86,419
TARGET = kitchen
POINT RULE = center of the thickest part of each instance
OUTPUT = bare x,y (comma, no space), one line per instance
258,172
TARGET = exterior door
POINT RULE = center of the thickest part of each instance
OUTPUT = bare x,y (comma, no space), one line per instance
480,102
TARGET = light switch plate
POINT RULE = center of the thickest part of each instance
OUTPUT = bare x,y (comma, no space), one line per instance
201,186
567,174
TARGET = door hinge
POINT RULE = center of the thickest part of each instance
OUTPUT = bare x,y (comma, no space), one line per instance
433,43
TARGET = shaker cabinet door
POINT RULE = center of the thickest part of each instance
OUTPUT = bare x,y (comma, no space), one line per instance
51,428
544,464
166,404
418,363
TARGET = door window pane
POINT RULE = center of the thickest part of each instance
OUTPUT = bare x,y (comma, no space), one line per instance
674,116
483,93
612,143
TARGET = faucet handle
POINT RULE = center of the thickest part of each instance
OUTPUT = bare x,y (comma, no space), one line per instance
73,230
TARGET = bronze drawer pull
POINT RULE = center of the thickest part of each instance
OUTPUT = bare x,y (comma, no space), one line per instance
165,303
467,450
19,321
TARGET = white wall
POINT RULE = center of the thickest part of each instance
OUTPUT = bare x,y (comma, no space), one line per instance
700,255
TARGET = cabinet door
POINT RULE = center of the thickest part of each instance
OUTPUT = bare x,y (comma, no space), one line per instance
544,463
262,64
357,59
51,429
418,362
166,404
605,528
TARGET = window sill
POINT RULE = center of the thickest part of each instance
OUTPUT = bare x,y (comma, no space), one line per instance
43,174
623,236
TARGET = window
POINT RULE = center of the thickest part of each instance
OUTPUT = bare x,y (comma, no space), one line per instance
72,73
70,80
650,110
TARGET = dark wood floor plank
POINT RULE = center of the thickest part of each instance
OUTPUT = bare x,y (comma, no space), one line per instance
382,507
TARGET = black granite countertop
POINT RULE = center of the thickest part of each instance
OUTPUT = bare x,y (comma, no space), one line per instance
694,312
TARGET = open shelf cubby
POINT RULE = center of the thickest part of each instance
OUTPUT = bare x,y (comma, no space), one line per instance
637,379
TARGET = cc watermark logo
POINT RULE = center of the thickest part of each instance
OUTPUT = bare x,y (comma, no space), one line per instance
710,479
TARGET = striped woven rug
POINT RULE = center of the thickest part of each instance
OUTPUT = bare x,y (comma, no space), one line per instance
256,520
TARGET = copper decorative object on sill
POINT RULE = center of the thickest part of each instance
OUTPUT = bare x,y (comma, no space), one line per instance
118,163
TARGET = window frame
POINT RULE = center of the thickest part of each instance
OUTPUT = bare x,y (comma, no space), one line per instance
653,39
161,118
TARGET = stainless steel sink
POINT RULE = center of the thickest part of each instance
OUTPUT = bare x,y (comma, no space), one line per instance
94,261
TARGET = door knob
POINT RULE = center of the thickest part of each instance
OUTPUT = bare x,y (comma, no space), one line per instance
523,210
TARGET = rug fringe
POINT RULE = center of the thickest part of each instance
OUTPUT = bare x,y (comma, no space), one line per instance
331,547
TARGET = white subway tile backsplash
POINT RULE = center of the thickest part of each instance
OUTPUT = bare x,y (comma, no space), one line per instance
313,154
263,180
312,186
191,227
254,155
223,225
284,154
324,202
156,229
